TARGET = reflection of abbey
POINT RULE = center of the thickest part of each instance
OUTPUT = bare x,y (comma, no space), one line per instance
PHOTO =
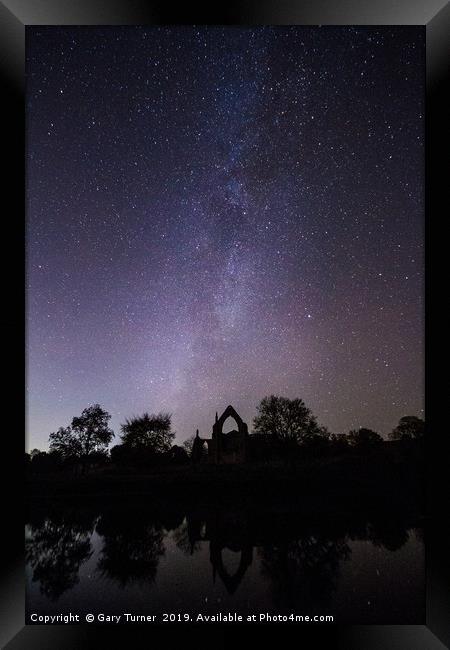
233,447
225,530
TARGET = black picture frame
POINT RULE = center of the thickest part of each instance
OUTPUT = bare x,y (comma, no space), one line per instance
15,15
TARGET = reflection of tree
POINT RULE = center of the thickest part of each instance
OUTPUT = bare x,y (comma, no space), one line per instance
131,548
389,534
171,519
420,534
186,537
55,550
303,572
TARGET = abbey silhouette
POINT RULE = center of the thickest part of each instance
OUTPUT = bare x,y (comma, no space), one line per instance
223,447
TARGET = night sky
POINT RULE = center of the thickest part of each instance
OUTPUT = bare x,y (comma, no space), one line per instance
215,214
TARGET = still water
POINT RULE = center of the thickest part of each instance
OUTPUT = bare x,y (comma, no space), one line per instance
117,560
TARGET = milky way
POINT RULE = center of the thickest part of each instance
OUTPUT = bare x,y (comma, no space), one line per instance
217,214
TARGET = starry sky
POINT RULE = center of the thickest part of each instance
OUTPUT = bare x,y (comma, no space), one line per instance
215,214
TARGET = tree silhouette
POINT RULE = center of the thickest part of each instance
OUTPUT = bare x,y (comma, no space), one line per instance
66,442
338,443
88,434
152,432
409,427
41,461
188,444
363,437
289,420
177,455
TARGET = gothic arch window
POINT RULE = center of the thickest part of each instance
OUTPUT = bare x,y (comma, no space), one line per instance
230,424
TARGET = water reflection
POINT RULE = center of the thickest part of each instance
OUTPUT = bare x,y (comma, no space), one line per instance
189,534
131,548
55,548
304,570
296,562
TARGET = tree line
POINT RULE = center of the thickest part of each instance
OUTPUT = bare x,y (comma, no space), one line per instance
283,426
